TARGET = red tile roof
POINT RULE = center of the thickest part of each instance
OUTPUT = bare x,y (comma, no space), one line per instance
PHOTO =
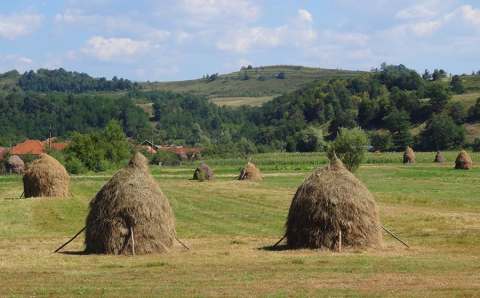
36,147
28,147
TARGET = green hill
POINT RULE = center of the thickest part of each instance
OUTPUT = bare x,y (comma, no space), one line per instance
253,85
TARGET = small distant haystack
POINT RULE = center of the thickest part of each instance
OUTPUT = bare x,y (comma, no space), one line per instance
15,165
203,172
332,204
45,177
409,155
250,172
439,157
463,161
130,214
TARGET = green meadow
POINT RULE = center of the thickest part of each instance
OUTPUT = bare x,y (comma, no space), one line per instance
230,225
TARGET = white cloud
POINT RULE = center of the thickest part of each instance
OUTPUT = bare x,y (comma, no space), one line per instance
468,13
213,10
16,25
114,48
419,11
305,15
20,63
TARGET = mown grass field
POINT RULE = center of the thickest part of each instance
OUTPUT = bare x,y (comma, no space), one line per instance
228,224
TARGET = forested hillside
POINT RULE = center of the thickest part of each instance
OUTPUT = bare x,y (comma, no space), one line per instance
396,105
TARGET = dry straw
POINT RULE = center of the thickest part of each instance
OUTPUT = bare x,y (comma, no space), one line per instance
130,214
331,207
46,177
203,172
439,157
463,161
250,172
15,165
409,155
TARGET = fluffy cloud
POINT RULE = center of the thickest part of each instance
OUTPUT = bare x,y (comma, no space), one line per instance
20,63
208,10
468,13
16,25
106,49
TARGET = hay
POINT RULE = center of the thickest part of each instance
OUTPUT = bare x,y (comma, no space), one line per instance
409,155
203,172
463,161
250,172
439,157
330,200
131,199
15,165
45,177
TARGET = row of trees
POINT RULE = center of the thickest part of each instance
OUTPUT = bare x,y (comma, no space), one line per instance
44,80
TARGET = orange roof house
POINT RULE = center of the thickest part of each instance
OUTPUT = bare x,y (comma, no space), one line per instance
37,147
28,147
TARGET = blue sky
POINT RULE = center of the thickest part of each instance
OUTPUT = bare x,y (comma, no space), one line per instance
184,39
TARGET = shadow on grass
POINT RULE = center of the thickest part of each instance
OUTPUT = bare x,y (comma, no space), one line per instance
280,247
74,253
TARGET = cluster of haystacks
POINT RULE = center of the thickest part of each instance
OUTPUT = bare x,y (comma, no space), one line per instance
331,207
409,155
439,158
15,165
250,172
130,214
463,161
46,177
203,172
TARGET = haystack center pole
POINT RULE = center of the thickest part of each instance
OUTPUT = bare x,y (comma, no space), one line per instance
394,236
339,240
71,239
133,240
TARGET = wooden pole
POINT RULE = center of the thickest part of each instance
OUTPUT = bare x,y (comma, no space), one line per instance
339,240
183,244
278,242
394,236
133,240
71,239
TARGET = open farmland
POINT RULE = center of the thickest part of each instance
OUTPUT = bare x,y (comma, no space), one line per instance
229,226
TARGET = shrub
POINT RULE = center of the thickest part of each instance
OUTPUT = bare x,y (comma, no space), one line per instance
381,141
165,158
350,146
75,166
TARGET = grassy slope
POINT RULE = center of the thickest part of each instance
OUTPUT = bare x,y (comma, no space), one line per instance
226,223
231,85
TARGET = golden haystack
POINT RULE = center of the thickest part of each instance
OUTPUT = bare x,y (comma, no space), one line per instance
15,165
463,161
250,172
409,155
333,202
203,172
130,208
46,177
439,157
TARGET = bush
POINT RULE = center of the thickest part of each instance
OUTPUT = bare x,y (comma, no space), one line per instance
442,133
381,141
165,158
476,145
350,146
75,166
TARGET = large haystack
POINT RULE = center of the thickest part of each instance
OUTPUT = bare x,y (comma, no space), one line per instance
250,172
46,177
331,200
409,155
439,157
131,202
15,165
203,172
463,161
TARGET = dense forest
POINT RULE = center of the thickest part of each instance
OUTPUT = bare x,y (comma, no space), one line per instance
387,102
